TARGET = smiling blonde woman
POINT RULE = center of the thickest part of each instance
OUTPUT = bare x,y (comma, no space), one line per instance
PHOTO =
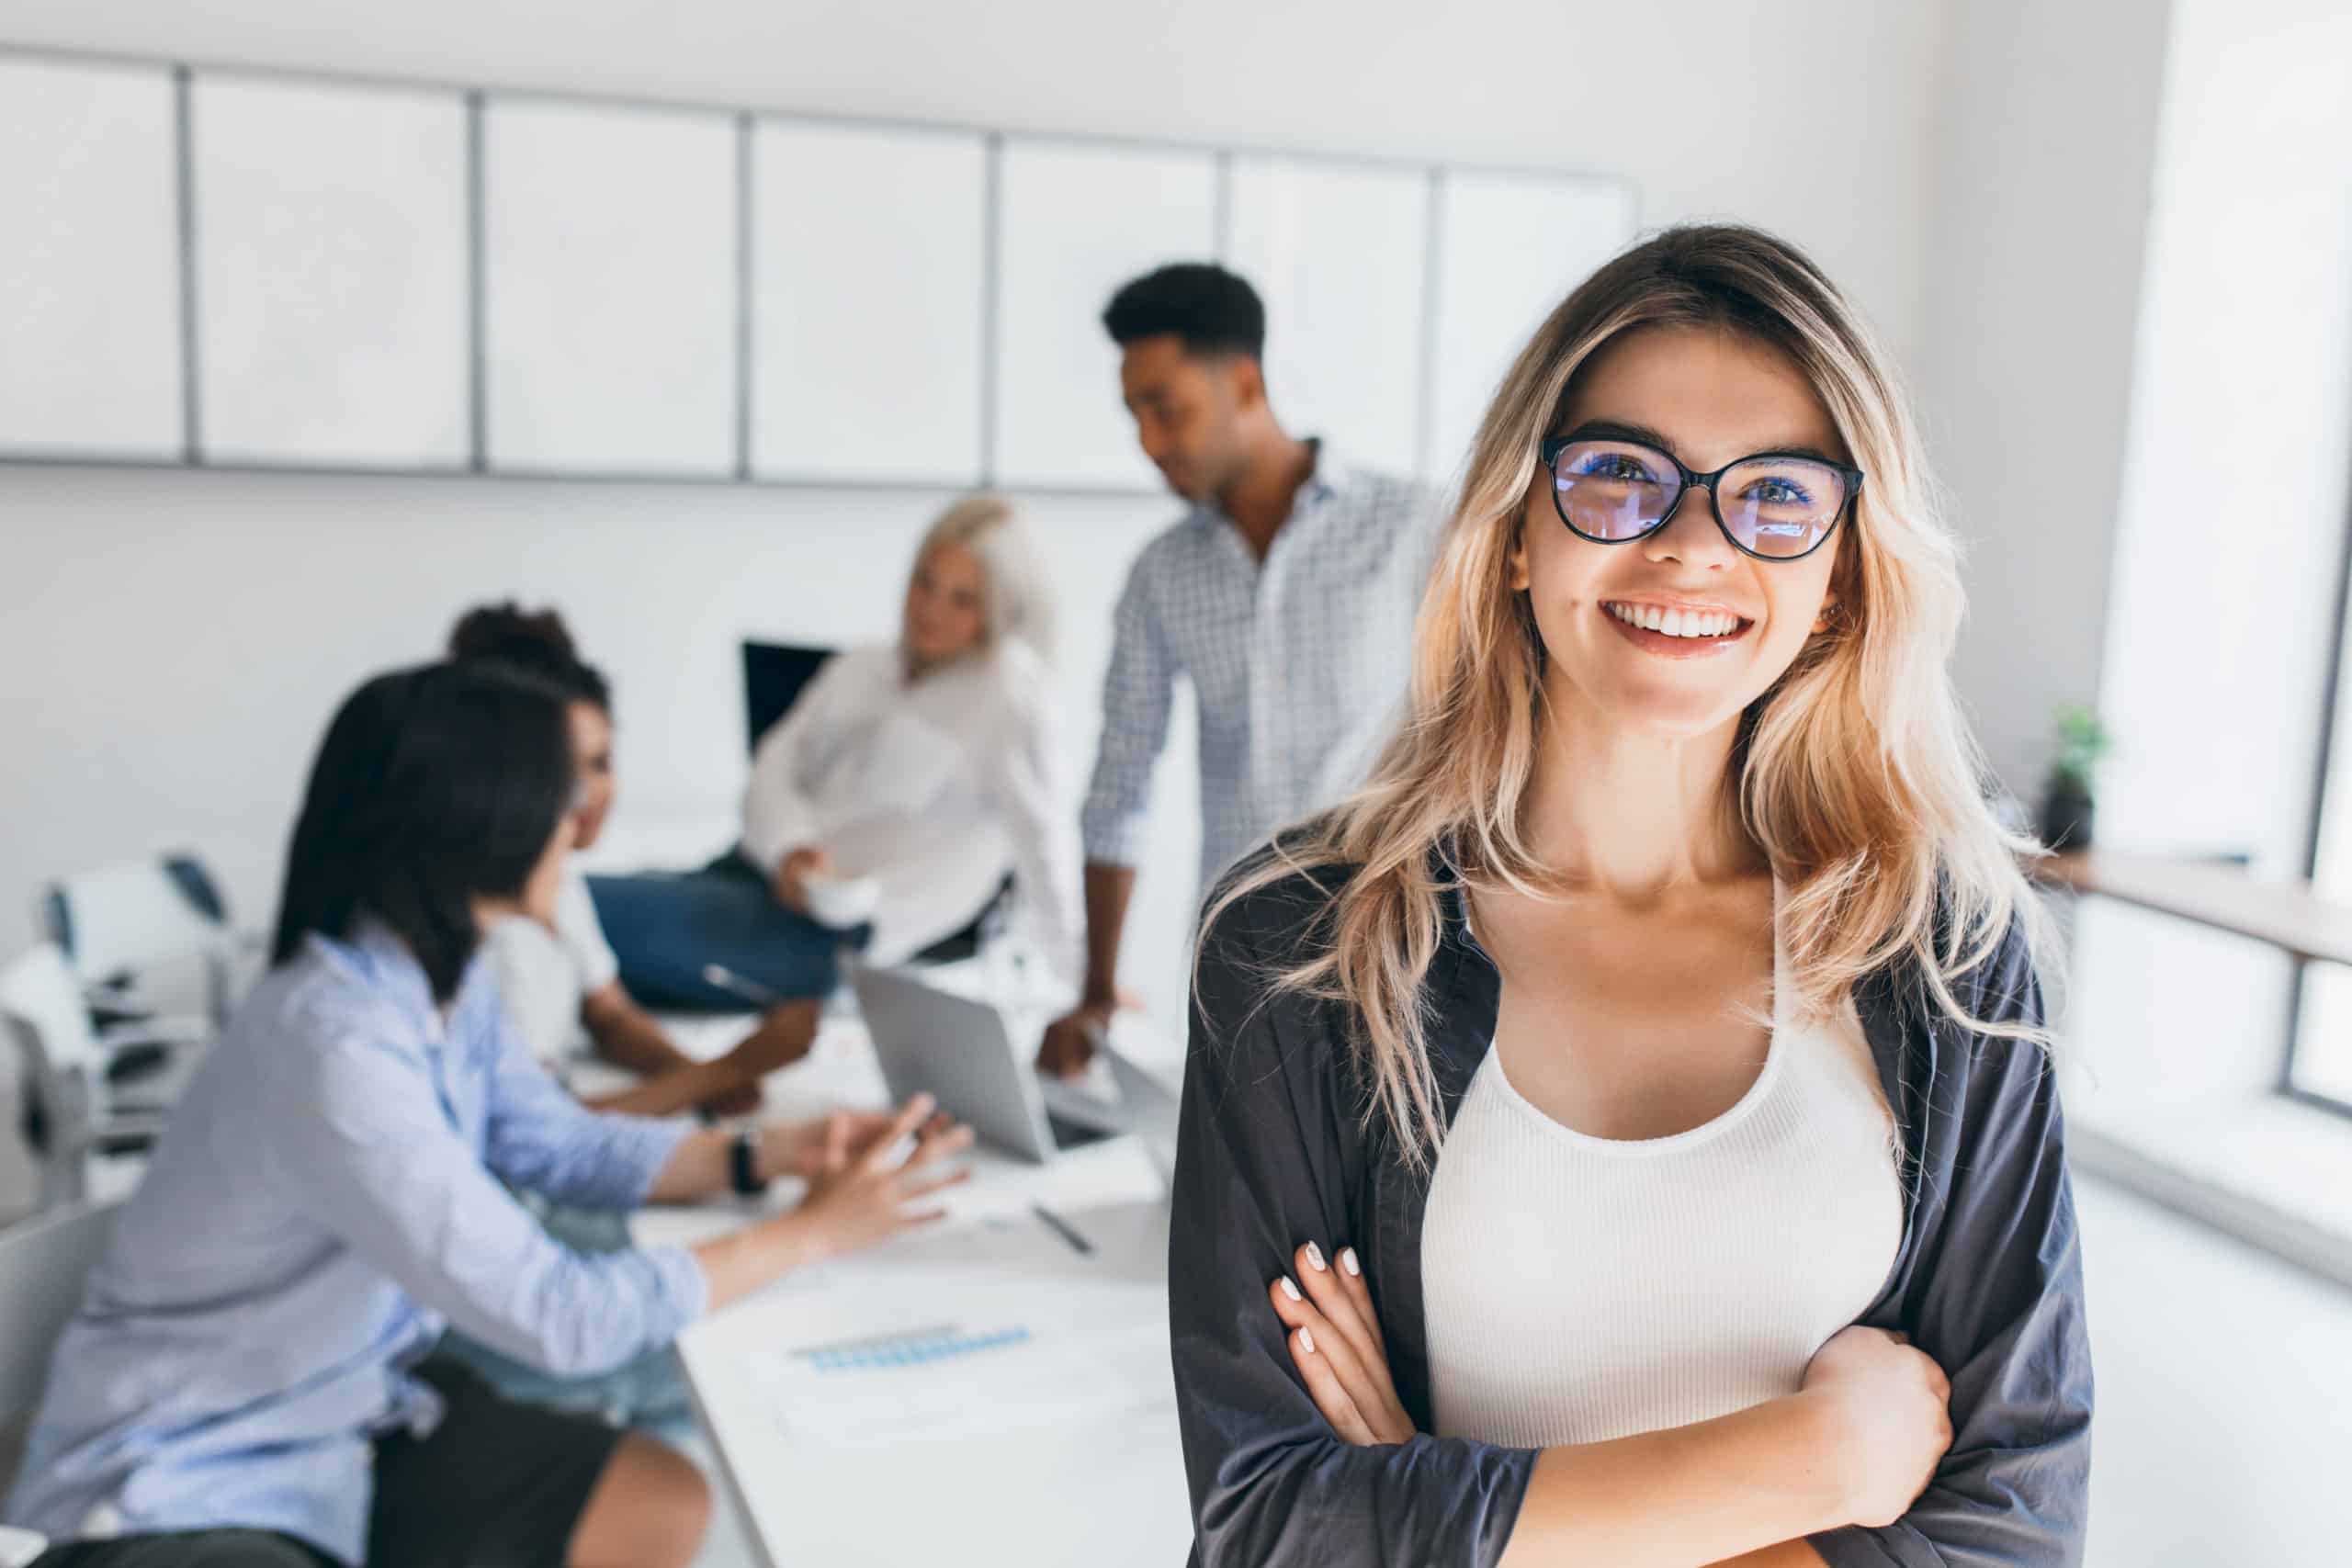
1622,1132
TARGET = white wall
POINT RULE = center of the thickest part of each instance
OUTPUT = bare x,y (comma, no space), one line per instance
2045,161
172,643
1691,98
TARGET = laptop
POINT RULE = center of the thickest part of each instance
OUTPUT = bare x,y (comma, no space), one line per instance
960,1050
1152,1107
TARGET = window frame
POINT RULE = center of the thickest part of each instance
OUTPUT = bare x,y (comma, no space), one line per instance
2330,696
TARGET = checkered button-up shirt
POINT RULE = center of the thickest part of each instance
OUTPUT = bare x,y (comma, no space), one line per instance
1298,664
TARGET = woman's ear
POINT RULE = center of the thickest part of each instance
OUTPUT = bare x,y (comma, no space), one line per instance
1519,578
1829,612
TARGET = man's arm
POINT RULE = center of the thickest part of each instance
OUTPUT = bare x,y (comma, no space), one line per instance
1070,1040
1138,691
627,1035
1108,889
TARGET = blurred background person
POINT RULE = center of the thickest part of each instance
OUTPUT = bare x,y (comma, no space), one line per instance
242,1381
906,783
559,979
1284,597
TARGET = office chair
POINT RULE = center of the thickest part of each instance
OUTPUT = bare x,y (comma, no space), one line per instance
119,924
774,674
44,1263
74,1109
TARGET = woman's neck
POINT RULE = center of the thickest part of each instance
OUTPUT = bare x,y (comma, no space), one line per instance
1635,816
489,911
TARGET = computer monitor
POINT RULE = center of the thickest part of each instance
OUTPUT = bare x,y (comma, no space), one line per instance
774,674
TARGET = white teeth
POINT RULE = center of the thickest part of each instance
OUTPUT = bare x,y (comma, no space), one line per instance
1676,623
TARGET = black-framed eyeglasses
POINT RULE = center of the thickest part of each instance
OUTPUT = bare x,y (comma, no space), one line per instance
1775,506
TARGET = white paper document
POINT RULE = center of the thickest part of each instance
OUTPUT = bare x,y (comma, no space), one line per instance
998,1327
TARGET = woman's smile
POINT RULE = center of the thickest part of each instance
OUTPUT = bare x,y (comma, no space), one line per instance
1674,629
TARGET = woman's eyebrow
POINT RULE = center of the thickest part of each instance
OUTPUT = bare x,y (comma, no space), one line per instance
1625,430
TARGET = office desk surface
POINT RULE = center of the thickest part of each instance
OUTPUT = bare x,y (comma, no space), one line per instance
1100,1488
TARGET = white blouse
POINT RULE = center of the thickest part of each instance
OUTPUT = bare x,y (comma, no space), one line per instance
544,975
937,787
1580,1289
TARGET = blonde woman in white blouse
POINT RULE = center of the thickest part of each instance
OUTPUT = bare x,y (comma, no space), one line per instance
927,767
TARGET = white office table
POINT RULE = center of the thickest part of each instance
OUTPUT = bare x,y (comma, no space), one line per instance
1101,1487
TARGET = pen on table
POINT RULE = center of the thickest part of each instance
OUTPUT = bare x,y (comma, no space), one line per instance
1063,1229
723,979
734,985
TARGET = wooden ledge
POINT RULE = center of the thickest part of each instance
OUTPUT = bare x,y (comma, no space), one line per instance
2288,915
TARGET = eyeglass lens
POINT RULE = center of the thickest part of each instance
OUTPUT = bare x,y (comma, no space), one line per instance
1611,490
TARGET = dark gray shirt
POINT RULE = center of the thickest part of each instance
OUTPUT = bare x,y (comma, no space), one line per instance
1275,1151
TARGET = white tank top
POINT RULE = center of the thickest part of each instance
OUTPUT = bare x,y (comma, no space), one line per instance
1580,1289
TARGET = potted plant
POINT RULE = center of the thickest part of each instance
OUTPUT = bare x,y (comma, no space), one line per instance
2066,800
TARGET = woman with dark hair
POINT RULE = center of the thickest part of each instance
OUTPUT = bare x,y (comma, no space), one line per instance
241,1384
558,977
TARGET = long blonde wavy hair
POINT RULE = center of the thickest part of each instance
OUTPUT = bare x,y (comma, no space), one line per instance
1855,773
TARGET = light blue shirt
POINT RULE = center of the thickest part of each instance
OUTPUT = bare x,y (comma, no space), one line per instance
327,1199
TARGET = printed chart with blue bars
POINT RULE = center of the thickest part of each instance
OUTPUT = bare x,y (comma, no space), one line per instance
908,1384
918,1347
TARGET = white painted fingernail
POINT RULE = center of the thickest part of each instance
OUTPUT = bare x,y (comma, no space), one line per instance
1307,1341
1290,1290
1315,1257
1348,1261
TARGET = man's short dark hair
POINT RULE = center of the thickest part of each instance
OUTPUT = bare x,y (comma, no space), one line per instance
534,641
1214,310
433,787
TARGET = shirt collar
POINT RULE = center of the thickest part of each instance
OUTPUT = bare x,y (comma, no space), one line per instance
1333,472
1332,475
381,961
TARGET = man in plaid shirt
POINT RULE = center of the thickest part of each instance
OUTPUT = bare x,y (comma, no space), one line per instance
1285,595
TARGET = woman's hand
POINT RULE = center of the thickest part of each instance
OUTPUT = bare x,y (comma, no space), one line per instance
1335,1343
816,1150
792,874
857,1194
1891,1411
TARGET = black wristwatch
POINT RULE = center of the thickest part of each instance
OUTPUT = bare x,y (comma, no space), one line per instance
743,1163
